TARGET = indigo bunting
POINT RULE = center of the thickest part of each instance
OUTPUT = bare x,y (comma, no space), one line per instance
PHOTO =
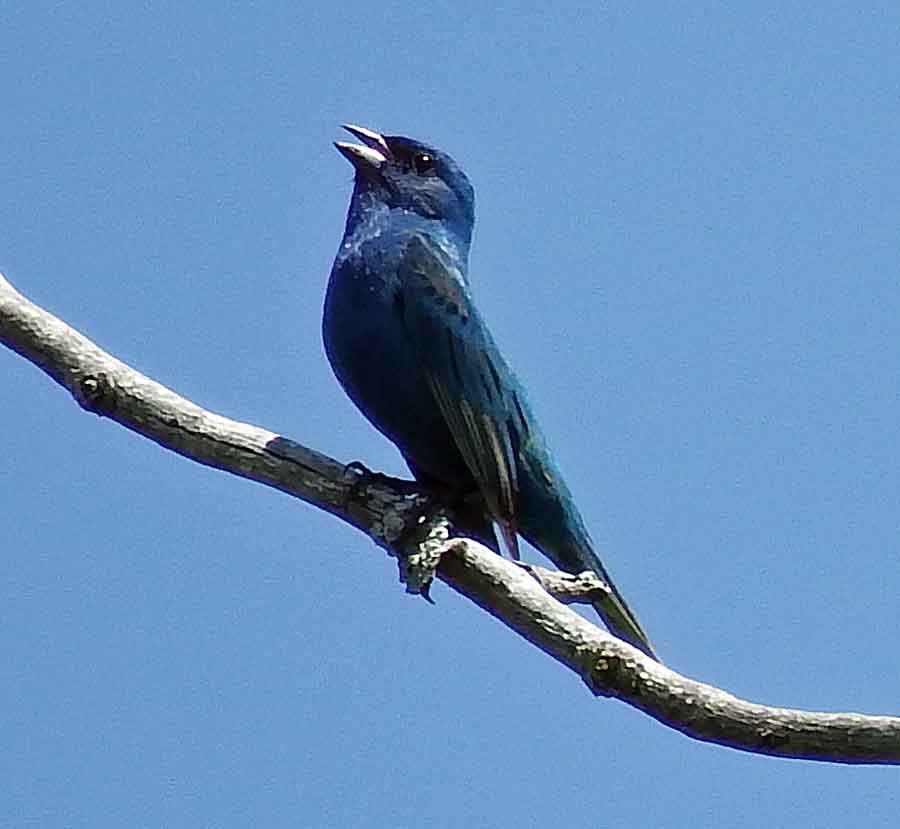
411,350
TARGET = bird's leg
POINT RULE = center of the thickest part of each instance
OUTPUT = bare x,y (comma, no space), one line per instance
470,518
466,507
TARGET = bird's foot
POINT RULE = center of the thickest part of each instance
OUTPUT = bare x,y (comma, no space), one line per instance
363,477
417,530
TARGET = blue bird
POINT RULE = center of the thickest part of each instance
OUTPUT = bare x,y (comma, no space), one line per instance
409,347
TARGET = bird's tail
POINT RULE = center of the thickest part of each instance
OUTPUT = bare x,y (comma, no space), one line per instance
612,608
551,522
619,618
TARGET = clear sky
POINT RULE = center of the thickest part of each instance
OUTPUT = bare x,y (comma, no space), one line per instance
687,245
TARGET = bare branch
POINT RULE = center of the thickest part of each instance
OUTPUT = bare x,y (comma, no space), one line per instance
106,386
386,510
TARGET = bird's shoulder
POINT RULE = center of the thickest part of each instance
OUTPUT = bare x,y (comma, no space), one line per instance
432,272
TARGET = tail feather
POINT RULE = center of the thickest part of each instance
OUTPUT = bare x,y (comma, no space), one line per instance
550,521
617,616
612,607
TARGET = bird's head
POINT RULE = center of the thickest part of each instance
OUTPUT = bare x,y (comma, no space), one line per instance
408,175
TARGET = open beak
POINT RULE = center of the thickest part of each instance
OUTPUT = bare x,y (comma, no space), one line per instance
372,153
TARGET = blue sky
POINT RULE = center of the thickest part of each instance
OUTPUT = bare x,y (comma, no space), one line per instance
686,245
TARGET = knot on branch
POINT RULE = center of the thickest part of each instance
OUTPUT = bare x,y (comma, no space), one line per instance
613,673
96,393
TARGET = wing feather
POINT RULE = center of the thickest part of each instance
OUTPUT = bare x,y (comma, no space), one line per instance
468,378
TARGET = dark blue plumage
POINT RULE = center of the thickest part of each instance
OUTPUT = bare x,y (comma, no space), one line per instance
410,348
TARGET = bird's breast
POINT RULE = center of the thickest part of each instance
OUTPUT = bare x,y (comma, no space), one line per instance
372,356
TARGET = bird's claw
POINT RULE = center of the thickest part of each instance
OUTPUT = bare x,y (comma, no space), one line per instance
364,477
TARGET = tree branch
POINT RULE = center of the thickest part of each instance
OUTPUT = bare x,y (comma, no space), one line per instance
386,511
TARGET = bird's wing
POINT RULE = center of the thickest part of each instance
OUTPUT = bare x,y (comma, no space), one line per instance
476,393
466,374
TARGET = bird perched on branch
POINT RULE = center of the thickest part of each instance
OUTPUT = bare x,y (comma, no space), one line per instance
411,350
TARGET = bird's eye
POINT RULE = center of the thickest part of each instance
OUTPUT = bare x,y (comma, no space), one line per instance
422,163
